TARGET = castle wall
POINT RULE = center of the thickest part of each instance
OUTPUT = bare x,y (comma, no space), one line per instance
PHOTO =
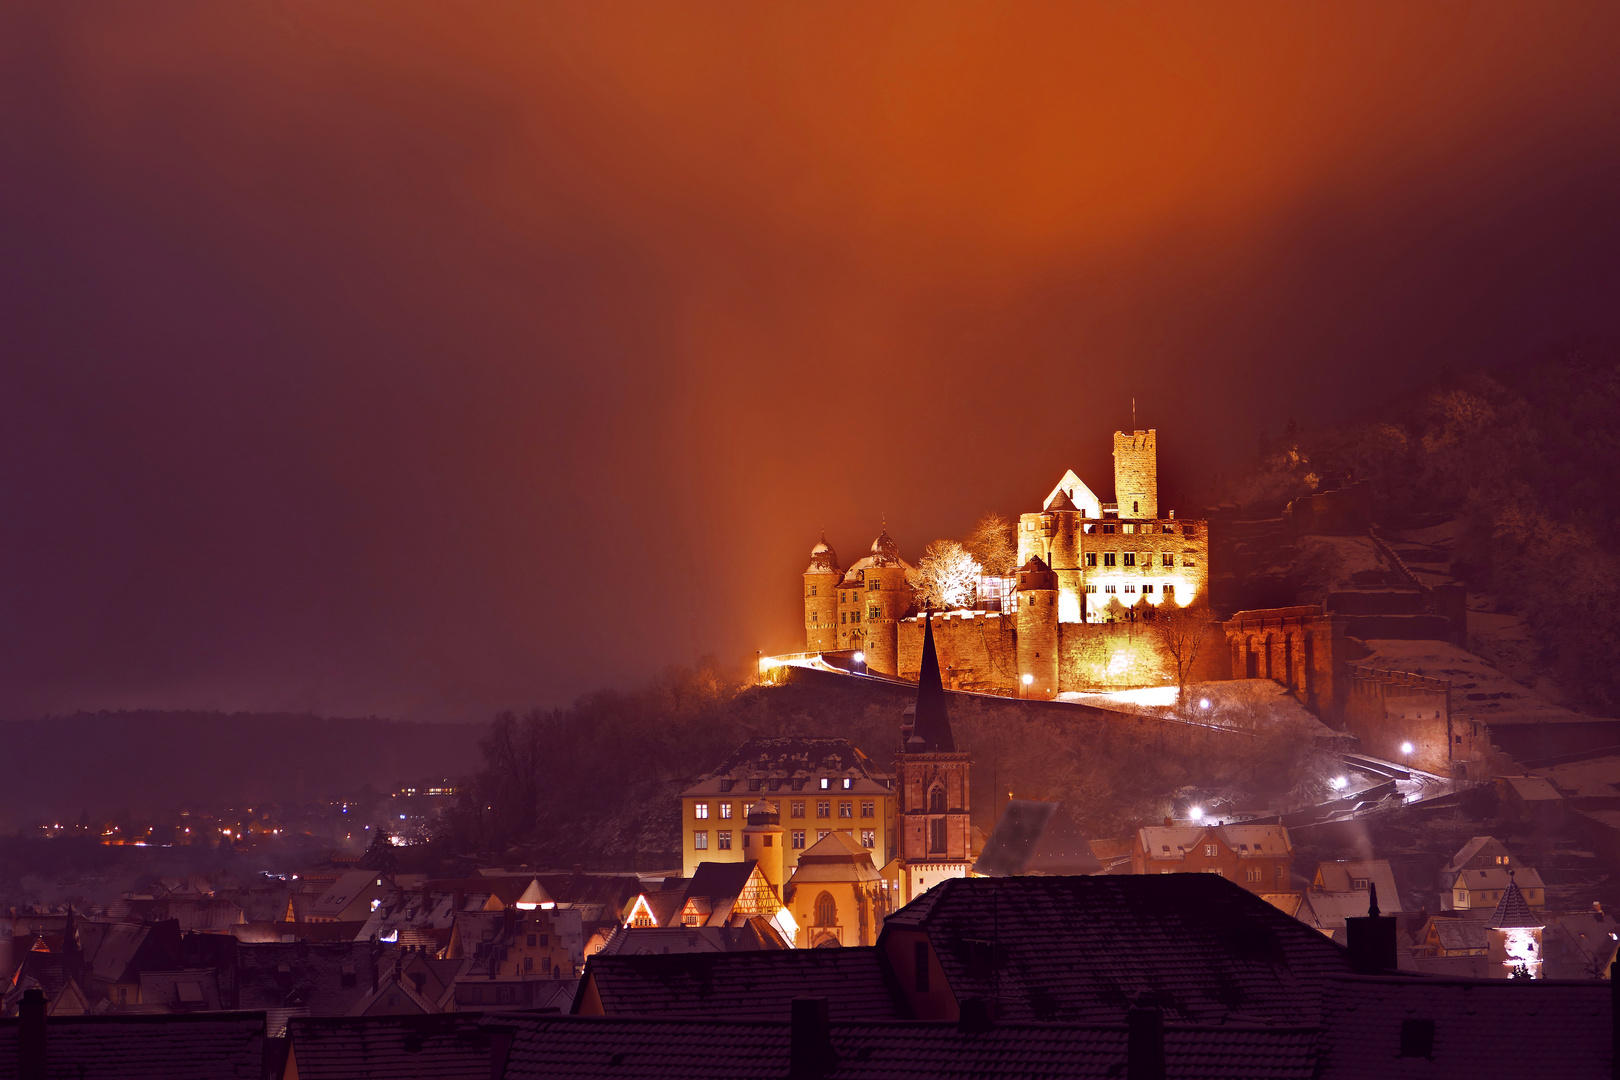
1136,474
1389,709
977,650
1111,657
821,612
1299,647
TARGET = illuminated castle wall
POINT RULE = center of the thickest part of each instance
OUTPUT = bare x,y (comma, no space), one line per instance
1082,564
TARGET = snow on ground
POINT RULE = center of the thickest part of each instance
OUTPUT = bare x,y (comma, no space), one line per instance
1598,776
1478,688
1236,702
1332,562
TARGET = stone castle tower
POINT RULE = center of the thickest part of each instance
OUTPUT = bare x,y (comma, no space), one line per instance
1136,474
888,599
821,580
1037,630
932,775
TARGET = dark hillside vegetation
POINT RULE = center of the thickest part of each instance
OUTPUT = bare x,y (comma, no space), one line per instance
569,785
1527,459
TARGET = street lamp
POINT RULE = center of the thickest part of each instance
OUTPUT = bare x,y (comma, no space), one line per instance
860,659
1407,748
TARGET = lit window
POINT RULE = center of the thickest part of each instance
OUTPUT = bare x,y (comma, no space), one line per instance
798,839
849,782
825,783
1252,875
1209,850
822,834
815,616
846,809
701,810
872,586
1128,528
725,810
823,809
796,809
868,809
869,838
724,838
700,841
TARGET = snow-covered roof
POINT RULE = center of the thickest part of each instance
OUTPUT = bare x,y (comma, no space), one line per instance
1078,494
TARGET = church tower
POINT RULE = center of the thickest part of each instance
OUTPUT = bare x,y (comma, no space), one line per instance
1136,475
932,775
821,599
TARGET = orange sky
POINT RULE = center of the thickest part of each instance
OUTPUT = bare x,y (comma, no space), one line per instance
422,359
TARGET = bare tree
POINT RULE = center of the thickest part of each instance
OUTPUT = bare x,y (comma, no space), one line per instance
1181,631
947,576
994,543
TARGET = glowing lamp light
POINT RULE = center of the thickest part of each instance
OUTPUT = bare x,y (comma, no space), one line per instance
1407,748
1203,703
860,657
1029,679
1195,813
1340,783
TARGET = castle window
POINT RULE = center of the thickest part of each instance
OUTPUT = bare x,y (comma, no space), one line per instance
724,838
1108,527
846,808
1167,529
700,840
1136,507
936,835
869,838
1189,530
796,809
1108,589
798,839
812,590
1109,558
1091,588
1130,558
872,613
843,619
1188,560
1169,590
1147,588
1091,558
867,809
874,585
1130,588
823,809
855,616
1128,528
815,616
701,810
1168,559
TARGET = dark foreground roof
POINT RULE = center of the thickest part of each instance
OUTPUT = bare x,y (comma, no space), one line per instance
563,1048
1399,1028
204,1046
744,985
448,1046
1078,949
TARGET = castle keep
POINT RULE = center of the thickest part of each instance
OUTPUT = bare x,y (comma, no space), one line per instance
1072,618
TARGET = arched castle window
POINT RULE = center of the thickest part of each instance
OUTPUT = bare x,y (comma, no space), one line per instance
826,910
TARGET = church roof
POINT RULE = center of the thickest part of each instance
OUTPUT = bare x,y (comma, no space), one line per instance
931,731
1512,910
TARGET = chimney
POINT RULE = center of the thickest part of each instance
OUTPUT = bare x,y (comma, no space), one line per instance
1144,1040
810,1050
975,1014
1371,938
31,1035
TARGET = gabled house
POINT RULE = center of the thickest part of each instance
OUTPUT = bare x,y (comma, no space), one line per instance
1258,857
1481,890
126,950
351,898
1355,875
1447,937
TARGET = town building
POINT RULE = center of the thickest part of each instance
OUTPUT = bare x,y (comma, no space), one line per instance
1257,857
836,895
1478,876
820,786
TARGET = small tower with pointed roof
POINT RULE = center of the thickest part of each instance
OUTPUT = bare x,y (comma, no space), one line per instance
1037,631
932,775
1514,933
821,580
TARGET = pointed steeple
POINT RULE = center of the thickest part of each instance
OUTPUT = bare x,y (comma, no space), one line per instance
932,727
1513,910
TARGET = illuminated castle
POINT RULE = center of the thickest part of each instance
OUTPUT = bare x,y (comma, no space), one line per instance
1069,620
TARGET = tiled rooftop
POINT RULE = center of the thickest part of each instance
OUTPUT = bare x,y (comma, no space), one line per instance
579,1047
209,1046
445,1047
744,985
1078,949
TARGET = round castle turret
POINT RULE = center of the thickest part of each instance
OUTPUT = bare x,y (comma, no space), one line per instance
1037,630
821,599
888,598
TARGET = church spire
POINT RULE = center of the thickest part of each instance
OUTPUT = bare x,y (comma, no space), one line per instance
933,723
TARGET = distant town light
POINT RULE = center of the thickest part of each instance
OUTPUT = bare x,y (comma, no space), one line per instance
1340,783
1203,703
1028,679
1196,813
1407,748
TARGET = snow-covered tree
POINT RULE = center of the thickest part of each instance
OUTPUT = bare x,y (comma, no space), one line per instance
994,543
947,576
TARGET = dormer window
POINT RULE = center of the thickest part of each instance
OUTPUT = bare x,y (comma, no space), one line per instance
849,782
